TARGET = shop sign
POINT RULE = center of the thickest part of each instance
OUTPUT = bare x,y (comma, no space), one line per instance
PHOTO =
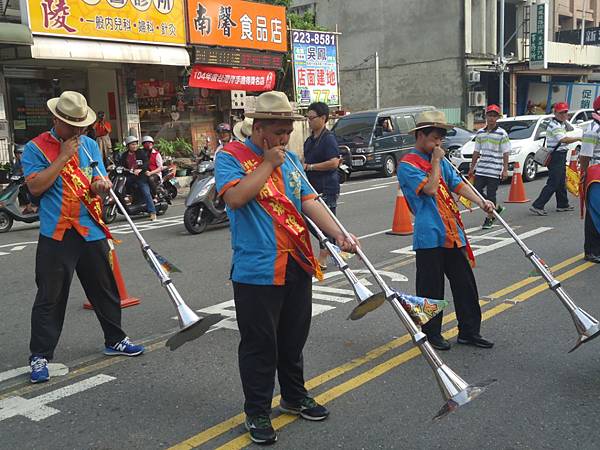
538,48
238,24
314,55
149,21
229,79
237,58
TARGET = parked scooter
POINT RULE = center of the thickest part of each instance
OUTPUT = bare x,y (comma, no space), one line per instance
134,202
203,206
10,207
169,182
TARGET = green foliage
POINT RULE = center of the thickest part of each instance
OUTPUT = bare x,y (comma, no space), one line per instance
119,147
182,148
166,148
304,21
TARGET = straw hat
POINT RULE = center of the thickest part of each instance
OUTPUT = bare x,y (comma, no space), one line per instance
274,105
431,119
72,108
243,129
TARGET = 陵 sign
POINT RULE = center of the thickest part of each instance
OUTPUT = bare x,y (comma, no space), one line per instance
152,21
315,67
236,23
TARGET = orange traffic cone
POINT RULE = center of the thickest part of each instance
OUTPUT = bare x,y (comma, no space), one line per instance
126,300
573,162
402,224
517,190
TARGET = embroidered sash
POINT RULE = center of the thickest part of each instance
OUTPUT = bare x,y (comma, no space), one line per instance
592,176
279,208
74,178
443,193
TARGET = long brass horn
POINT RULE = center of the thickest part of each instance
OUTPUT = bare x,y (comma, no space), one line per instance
364,296
191,325
587,326
455,391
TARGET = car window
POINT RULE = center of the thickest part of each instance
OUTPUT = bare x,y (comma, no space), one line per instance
588,115
406,123
542,128
385,127
354,129
520,129
451,132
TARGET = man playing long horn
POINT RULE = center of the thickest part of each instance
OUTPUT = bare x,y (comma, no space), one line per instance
273,262
440,243
589,164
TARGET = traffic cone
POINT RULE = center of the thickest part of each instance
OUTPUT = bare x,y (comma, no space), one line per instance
573,162
517,189
402,225
126,300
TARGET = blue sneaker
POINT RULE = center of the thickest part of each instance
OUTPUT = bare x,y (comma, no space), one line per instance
39,370
124,348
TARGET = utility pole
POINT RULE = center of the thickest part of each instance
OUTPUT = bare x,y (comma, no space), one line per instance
377,102
583,23
501,58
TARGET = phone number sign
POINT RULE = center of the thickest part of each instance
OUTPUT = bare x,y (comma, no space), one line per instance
314,54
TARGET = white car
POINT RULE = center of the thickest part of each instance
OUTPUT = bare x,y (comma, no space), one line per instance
527,134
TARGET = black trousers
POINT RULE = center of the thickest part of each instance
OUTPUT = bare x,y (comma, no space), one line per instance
55,263
556,182
432,265
490,185
273,323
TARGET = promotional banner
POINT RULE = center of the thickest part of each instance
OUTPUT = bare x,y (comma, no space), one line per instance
237,23
314,55
150,21
229,79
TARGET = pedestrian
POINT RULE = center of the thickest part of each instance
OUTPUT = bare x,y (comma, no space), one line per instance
321,160
102,129
557,141
73,237
155,164
489,165
273,263
589,165
427,180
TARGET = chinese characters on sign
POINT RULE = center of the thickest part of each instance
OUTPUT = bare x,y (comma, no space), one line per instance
582,95
539,37
237,23
224,78
237,58
315,67
155,21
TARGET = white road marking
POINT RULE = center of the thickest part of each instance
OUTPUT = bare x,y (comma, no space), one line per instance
146,225
18,243
18,248
55,370
362,190
509,240
3,253
36,408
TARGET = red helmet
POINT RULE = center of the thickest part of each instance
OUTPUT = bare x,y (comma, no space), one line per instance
561,107
597,103
493,108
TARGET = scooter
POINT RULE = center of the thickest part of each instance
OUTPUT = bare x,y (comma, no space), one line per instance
10,208
203,206
133,202
169,182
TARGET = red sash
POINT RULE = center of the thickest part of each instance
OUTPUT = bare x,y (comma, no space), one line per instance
443,193
592,176
73,177
279,208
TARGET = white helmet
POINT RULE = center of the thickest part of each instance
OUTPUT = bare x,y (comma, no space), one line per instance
147,139
130,139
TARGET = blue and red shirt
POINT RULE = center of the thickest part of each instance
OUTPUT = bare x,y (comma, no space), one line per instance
261,248
435,225
60,209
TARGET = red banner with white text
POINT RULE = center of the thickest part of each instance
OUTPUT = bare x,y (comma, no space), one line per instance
230,79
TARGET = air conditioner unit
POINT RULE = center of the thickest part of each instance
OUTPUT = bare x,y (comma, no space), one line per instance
477,98
474,77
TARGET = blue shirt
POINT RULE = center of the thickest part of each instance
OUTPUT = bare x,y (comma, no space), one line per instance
260,246
59,208
321,149
435,225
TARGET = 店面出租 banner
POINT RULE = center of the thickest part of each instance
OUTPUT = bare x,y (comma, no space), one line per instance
238,24
314,55
151,21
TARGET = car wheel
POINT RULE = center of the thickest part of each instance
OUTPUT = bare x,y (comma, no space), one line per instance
6,222
389,166
529,169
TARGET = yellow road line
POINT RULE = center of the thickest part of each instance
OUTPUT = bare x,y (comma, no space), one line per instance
223,427
355,382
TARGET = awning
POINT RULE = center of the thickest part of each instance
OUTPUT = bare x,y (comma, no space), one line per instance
100,51
15,34
230,79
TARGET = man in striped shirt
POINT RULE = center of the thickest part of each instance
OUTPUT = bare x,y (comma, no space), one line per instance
490,159
589,162
557,141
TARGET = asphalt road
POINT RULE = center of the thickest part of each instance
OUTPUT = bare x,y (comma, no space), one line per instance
380,391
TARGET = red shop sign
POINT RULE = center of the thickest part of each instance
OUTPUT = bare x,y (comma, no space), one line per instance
229,79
